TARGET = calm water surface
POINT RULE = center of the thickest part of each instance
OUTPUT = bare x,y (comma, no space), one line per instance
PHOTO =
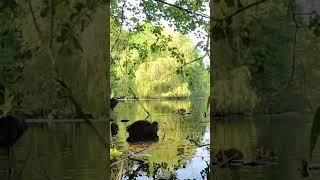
66,151
184,159
62,151
287,135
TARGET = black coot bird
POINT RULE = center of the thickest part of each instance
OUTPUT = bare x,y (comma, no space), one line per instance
113,103
11,129
142,130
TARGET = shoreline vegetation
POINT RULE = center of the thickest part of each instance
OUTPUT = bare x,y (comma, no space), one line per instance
158,98
41,120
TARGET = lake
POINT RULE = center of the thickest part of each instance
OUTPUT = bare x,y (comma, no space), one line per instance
59,151
286,134
73,151
177,154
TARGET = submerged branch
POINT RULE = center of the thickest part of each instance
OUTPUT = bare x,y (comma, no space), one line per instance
135,97
136,159
129,156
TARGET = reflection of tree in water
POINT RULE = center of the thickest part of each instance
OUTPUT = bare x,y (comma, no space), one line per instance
161,170
174,147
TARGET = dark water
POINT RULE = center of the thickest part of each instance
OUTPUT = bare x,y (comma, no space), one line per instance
66,151
287,135
184,159
61,151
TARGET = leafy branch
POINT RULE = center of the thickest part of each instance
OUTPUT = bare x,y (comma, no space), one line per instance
184,9
58,77
214,19
239,11
119,34
197,59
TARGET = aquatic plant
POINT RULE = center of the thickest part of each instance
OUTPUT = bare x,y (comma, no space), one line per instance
114,153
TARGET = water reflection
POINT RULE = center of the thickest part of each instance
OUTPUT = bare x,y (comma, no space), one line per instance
175,155
61,151
287,135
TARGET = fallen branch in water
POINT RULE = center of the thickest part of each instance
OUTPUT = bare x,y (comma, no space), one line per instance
129,156
136,159
196,143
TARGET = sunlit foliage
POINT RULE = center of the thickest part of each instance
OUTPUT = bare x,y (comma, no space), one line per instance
152,65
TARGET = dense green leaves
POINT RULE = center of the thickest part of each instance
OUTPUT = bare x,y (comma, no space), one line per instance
152,61
40,37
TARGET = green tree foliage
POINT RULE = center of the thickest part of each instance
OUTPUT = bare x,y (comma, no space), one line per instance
54,55
234,94
151,64
258,35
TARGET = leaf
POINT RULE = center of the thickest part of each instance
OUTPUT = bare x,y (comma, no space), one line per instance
114,153
315,130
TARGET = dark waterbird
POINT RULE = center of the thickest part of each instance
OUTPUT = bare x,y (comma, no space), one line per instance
142,130
113,103
11,129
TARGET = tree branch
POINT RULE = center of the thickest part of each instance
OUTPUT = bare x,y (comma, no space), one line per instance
59,78
34,19
294,45
184,9
214,19
239,11
122,17
197,59
135,97
51,24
